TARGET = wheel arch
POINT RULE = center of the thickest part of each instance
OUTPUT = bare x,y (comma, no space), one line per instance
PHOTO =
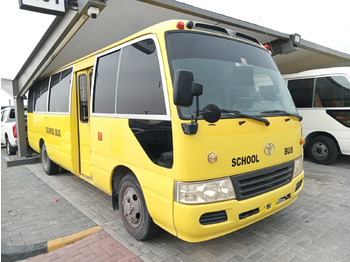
321,133
41,142
117,176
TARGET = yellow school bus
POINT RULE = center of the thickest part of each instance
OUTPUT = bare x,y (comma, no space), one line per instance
188,126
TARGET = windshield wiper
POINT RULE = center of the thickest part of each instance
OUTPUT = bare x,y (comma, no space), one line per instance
238,113
283,113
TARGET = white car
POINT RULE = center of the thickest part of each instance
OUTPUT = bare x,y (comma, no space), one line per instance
9,129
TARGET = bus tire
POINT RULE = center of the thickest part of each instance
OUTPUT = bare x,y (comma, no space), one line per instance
135,216
11,150
322,150
50,167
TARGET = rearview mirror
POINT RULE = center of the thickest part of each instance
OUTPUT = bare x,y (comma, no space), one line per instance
185,88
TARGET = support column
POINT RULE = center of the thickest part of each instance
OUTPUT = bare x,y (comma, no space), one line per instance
20,121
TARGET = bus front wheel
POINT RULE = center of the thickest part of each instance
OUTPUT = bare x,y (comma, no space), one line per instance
322,150
49,167
135,216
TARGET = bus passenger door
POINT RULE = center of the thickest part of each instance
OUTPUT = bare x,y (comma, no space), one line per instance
83,89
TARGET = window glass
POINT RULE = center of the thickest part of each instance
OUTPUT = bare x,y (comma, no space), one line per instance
31,99
37,88
2,115
65,83
54,92
41,95
12,114
105,83
333,91
83,98
60,91
235,76
302,92
140,88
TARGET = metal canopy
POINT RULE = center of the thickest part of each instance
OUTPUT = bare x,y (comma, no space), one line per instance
122,18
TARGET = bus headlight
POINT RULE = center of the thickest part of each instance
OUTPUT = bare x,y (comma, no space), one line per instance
204,192
298,166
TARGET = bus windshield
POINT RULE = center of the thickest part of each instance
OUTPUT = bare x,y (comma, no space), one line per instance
236,76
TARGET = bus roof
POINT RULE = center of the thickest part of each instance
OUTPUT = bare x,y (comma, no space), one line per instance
319,72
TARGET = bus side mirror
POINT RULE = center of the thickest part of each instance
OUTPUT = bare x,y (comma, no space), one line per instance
185,88
211,113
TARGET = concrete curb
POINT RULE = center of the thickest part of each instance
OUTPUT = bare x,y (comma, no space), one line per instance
63,241
14,253
16,161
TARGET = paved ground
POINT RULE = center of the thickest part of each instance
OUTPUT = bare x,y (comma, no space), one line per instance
37,208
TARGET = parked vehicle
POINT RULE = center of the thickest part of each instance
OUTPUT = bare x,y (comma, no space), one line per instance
9,129
188,126
322,97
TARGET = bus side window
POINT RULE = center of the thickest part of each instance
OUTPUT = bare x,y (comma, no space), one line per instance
333,90
140,90
31,98
40,100
302,92
84,112
60,91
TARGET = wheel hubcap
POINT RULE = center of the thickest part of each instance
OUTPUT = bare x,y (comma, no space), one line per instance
132,207
320,150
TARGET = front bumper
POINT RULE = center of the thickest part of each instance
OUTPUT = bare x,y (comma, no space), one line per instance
195,223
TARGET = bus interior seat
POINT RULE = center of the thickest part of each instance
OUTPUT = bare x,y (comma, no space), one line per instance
155,139
317,102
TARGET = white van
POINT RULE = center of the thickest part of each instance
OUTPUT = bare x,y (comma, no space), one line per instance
322,97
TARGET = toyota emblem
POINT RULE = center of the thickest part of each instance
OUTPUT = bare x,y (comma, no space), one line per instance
269,149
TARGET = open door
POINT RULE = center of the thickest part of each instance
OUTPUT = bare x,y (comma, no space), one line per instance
83,89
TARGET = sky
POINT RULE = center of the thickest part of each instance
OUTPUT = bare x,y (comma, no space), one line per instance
322,22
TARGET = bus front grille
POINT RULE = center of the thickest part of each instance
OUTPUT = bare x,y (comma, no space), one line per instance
255,183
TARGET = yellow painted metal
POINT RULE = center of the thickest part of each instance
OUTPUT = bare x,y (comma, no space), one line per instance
84,127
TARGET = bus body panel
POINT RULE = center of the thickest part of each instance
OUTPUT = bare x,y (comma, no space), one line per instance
113,144
327,125
33,135
232,143
83,86
56,133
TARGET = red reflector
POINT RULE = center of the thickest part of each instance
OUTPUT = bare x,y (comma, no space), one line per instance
14,131
99,136
180,25
267,46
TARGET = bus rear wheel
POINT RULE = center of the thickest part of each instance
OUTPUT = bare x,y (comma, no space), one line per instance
322,150
135,216
49,167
